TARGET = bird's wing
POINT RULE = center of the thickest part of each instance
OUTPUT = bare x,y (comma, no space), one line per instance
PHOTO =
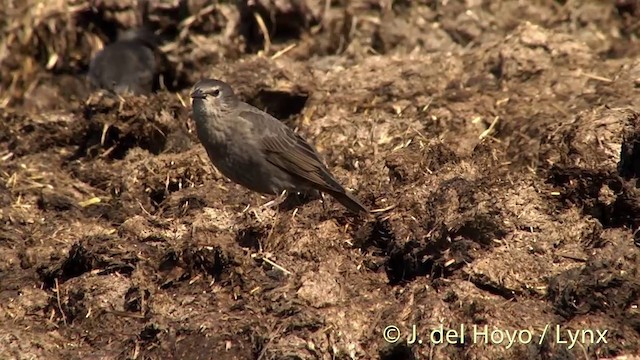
288,151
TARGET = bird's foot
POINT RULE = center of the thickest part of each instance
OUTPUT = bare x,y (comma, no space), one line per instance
270,205
295,200
275,203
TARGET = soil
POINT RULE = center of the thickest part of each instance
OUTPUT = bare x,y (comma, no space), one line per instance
501,139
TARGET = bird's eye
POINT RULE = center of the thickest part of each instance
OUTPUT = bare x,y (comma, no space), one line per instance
215,92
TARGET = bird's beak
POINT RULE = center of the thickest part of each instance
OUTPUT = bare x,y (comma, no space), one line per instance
198,94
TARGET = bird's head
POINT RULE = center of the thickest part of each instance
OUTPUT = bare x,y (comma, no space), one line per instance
212,95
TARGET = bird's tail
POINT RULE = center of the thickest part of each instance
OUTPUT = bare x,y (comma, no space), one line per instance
349,201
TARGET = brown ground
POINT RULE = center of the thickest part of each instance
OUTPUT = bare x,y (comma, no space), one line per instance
506,134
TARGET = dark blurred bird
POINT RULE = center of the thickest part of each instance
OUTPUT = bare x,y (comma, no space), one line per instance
256,150
130,64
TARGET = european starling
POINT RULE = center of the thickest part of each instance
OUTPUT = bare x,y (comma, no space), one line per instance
128,65
256,150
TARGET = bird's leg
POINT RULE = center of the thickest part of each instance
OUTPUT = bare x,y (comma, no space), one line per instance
275,202
269,204
323,199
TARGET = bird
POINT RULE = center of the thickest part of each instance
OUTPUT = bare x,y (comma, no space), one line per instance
258,151
129,65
